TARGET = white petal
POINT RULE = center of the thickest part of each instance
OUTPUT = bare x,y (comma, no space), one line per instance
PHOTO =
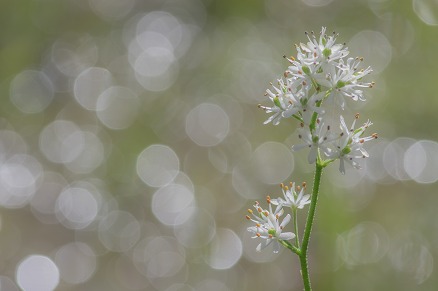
311,158
342,166
287,236
343,126
364,152
298,147
263,244
306,198
279,210
289,112
286,220
277,120
252,229
288,194
324,82
277,201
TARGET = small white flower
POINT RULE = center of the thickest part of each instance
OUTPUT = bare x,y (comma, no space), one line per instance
316,140
291,197
300,73
344,80
288,102
349,146
282,101
321,50
267,226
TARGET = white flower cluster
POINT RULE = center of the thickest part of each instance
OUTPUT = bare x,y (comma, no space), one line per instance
267,224
322,76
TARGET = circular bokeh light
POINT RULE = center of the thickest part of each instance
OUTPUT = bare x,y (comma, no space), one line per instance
37,273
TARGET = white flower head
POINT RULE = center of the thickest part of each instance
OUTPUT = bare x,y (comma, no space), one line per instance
315,88
294,197
267,226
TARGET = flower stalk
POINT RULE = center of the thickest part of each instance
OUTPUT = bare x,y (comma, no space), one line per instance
308,228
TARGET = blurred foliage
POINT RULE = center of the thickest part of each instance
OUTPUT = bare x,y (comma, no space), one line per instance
375,229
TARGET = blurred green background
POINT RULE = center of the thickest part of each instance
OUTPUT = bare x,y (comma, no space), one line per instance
131,146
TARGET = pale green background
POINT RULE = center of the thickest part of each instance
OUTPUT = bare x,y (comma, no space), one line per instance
375,229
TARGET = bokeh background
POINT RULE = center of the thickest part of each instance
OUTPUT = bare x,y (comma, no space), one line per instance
131,146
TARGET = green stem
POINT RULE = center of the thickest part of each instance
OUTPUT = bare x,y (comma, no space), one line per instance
299,118
297,239
290,246
312,125
308,228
